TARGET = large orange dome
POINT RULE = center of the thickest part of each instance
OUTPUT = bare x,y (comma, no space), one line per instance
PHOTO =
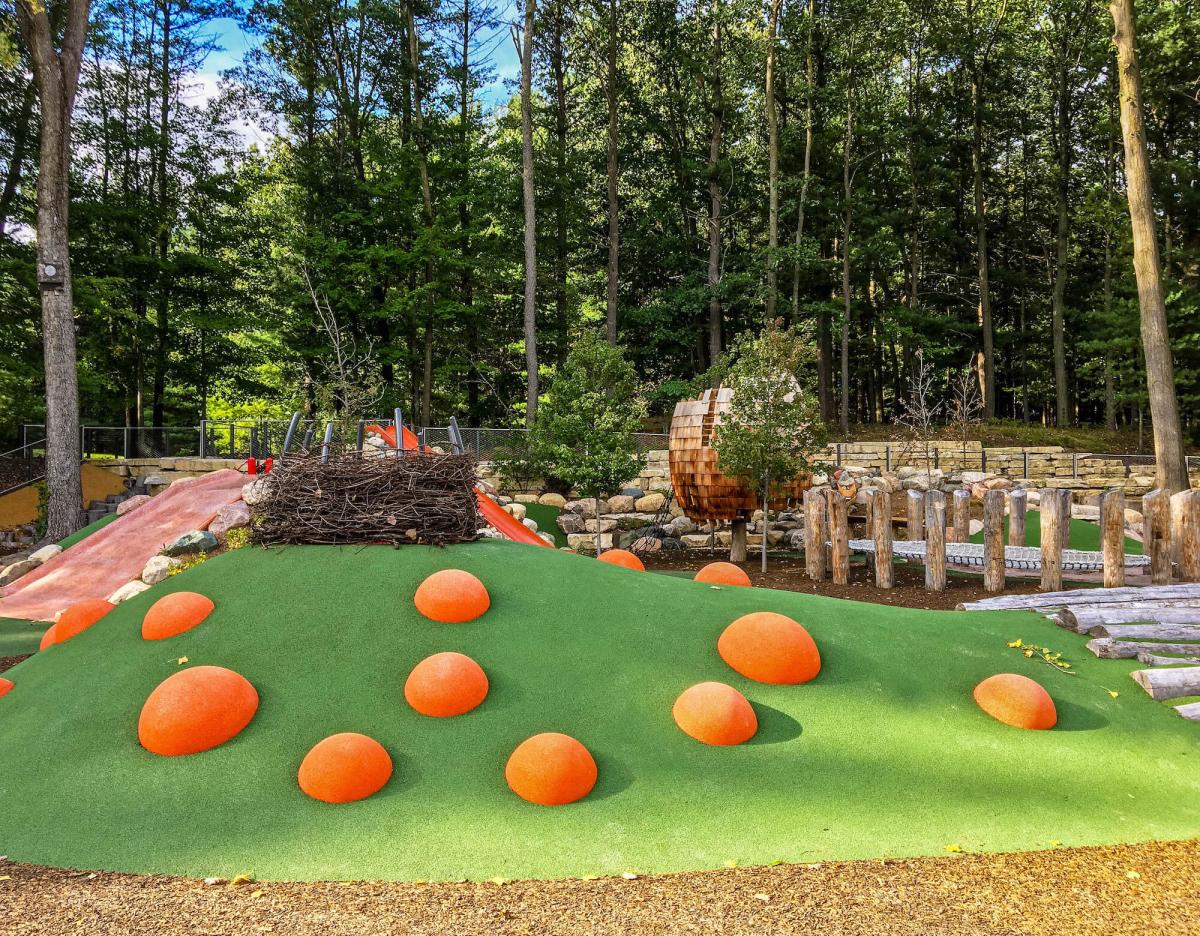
452,596
722,573
1016,700
344,768
48,637
78,618
715,713
5,686
175,613
196,709
446,684
770,648
551,769
623,557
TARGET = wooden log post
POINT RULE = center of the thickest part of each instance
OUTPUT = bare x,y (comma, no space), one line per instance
1112,535
935,541
881,528
1189,536
962,516
1052,506
1065,518
1018,504
814,535
1109,648
1169,683
916,515
1177,510
737,540
839,537
993,541
1156,535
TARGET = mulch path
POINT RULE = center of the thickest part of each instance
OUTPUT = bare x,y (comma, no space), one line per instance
1134,889
7,663
787,573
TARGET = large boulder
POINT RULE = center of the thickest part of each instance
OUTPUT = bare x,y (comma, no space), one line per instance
127,591
588,507
681,525
517,510
257,491
10,573
550,499
621,503
570,522
132,503
197,541
159,568
230,517
634,492
602,525
46,553
526,498
650,503
697,540
646,544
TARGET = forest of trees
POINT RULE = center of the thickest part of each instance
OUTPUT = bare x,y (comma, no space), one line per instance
897,175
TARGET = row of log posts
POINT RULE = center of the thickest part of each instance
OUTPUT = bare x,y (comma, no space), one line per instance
1171,534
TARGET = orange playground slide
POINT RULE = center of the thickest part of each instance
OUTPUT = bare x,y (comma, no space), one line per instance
504,522
115,554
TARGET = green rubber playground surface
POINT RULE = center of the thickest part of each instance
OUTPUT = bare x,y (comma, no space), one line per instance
84,532
18,638
1084,534
883,754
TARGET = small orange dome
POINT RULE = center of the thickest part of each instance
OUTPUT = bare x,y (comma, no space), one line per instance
344,768
196,709
48,637
551,769
722,573
623,557
452,596
78,618
5,686
715,713
1016,700
446,684
770,648
175,613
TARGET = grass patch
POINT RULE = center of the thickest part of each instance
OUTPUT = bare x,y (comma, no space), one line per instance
885,753
1084,534
84,532
546,518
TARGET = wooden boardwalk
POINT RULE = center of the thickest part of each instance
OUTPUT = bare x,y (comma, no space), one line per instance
1015,557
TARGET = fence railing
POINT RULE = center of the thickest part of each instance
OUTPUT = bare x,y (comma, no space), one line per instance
22,465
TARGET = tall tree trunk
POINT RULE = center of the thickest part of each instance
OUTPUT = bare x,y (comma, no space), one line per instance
847,224
162,331
914,175
1160,374
414,61
466,283
772,164
57,76
614,221
528,196
987,356
1062,239
1110,171
806,177
16,162
561,181
717,107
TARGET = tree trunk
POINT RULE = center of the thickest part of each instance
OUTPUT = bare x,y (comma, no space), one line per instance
527,191
714,193
162,331
561,182
808,147
847,223
1160,376
614,224
1062,238
57,77
414,61
987,361
772,165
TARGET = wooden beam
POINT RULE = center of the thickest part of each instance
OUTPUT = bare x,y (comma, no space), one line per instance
1108,648
1148,632
1112,534
1190,711
1082,618
935,541
1156,535
962,517
1018,504
1151,659
1052,506
814,535
839,537
993,541
1090,596
1169,683
916,515
881,528
1188,525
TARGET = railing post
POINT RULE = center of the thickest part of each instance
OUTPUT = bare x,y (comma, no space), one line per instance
1112,531
993,541
203,438
935,541
125,445
232,450
1052,503
1156,533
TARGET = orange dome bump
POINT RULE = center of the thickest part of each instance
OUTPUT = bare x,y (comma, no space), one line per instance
345,767
623,557
5,686
452,596
1016,700
196,709
175,613
551,769
78,618
770,648
446,684
715,713
722,573
48,637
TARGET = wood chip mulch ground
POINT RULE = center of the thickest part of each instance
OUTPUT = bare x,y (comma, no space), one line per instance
1135,889
8,662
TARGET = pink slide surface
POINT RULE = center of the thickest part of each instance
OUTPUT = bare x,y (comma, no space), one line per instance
504,522
115,554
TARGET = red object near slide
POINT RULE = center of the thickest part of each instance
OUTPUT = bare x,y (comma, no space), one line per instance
496,516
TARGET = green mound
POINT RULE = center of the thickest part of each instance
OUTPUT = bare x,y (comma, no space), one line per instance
1084,534
547,518
884,753
84,532
18,638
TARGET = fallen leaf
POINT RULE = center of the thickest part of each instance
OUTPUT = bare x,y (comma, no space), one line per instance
1113,693
182,660
731,863
5,877
954,849
1132,875
242,879
257,893
499,881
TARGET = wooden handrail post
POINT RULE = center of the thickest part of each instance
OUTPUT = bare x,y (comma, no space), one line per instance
1018,504
962,516
1112,531
1156,535
935,541
881,524
839,537
993,541
1052,505
814,535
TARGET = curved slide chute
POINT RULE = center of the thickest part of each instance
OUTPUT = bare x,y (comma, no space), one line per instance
505,523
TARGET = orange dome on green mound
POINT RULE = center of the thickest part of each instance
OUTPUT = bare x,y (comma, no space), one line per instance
47,637
196,709
344,767
5,686
1016,700
175,613
770,648
623,557
446,684
76,619
452,596
551,769
722,573
715,713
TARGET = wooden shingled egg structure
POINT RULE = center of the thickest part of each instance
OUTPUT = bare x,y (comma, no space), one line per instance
701,489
